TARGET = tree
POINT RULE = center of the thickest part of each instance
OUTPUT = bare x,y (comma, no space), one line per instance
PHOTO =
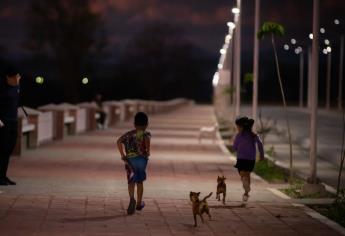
69,33
161,63
273,29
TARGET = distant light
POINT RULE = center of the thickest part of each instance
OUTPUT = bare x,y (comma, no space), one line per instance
220,66
231,25
222,51
298,50
286,47
322,30
311,36
235,10
326,41
336,21
293,41
324,51
329,49
227,38
39,80
215,79
85,80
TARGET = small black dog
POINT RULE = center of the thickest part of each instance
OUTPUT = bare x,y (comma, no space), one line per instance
221,188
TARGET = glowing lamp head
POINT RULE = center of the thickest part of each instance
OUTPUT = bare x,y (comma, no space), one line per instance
286,47
85,81
39,80
235,10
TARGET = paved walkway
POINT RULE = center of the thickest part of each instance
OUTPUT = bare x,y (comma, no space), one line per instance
78,187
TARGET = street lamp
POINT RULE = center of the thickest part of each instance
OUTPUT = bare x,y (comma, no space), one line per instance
256,61
230,55
328,51
237,64
341,68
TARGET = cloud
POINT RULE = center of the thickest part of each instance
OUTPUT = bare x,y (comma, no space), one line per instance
6,12
137,11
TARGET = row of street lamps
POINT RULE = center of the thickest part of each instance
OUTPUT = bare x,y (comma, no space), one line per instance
313,68
327,50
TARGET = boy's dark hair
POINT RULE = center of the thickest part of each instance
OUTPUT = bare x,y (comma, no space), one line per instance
141,119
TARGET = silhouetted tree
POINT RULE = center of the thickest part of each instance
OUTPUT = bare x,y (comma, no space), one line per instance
69,33
160,63
272,29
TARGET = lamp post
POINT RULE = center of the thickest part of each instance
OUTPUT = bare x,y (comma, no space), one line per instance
341,69
256,60
237,64
328,52
230,42
314,92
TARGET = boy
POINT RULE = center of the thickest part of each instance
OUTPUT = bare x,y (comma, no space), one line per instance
135,156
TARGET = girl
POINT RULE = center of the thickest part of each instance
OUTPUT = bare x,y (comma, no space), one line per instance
244,145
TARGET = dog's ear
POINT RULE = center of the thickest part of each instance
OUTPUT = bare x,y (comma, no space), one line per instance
198,193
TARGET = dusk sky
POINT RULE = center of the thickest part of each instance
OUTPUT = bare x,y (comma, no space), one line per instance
204,21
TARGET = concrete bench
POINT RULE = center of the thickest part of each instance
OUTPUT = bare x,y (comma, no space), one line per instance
115,109
27,136
90,115
64,119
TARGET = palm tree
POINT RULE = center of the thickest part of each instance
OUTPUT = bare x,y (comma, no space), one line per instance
273,29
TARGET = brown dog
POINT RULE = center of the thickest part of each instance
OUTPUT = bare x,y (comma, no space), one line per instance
221,188
199,207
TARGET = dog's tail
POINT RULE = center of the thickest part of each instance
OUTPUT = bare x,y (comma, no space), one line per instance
207,196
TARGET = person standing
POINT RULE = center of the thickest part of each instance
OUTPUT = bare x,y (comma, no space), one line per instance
9,101
100,111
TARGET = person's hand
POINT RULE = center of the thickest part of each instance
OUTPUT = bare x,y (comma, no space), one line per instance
1,124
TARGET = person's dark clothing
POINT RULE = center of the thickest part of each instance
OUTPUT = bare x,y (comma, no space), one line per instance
102,117
100,111
9,100
8,139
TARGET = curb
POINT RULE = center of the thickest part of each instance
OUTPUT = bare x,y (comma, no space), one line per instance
323,219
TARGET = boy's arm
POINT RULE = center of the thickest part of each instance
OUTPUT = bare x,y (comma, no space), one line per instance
147,145
120,147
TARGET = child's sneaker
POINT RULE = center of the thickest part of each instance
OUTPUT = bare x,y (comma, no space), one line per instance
141,206
131,207
245,197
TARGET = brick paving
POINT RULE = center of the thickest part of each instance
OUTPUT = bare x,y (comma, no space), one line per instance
77,187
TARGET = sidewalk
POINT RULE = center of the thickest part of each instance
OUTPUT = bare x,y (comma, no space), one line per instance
78,187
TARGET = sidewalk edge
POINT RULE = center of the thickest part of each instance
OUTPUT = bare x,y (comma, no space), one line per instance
323,219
